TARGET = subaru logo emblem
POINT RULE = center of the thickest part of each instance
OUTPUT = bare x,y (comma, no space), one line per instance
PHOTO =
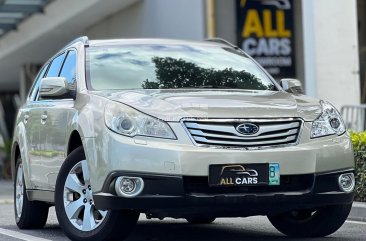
247,129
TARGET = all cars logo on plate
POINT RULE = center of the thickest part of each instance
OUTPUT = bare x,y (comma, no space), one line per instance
242,175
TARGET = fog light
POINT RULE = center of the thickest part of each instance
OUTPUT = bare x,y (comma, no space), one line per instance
347,182
129,186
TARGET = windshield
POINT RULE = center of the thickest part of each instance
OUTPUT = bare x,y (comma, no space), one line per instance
155,66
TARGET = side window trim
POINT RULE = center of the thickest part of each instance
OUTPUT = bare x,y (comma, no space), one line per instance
63,62
66,53
59,70
36,99
33,93
69,51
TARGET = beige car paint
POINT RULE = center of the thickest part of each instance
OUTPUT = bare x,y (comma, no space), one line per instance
157,156
173,105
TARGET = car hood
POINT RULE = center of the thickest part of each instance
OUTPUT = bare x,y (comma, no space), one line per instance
173,105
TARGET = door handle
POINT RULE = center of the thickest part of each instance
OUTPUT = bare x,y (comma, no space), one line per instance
26,117
43,118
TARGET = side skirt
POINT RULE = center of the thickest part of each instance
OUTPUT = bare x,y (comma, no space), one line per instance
41,195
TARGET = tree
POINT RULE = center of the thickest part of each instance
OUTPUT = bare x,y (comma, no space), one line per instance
177,73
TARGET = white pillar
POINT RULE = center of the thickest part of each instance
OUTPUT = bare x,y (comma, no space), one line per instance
309,47
331,59
22,85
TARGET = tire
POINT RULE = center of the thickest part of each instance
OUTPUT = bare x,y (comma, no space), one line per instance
71,202
28,214
311,223
201,220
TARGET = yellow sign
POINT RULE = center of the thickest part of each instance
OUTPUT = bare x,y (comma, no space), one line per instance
265,31
262,26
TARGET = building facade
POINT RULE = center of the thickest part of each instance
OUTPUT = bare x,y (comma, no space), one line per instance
315,41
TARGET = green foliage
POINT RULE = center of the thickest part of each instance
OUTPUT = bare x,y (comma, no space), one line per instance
177,73
6,149
359,147
48,154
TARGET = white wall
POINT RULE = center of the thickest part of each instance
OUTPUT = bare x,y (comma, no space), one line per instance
331,50
40,36
225,12
154,19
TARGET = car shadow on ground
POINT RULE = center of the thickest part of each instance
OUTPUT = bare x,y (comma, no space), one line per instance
155,230
179,231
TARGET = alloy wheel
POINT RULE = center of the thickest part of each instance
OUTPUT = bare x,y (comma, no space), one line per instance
19,191
78,199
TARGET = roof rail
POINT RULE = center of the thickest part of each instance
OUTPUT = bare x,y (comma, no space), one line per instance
83,39
222,41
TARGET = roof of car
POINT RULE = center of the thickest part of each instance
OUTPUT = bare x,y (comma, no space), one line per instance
108,42
213,42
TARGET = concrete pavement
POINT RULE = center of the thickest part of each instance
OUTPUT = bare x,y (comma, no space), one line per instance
6,192
233,229
358,212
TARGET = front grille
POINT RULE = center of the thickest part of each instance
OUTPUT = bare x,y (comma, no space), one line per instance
223,133
288,183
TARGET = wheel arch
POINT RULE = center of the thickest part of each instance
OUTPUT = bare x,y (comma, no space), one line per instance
15,154
74,142
82,135
19,148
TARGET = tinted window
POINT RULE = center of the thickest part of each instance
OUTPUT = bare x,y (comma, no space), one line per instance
171,66
55,66
69,69
37,82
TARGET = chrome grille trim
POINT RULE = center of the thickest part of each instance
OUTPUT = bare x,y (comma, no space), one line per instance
257,143
223,133
232,130
241,137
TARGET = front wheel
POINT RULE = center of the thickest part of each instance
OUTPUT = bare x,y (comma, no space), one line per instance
319,222
75,209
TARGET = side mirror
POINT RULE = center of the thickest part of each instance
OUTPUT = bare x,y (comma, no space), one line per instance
293,86
53,87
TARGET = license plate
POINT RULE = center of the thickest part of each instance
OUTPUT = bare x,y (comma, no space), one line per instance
262,174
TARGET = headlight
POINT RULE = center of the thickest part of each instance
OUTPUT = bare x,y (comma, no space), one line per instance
130,122
328,123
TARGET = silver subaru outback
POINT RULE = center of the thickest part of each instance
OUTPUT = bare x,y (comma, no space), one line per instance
181,129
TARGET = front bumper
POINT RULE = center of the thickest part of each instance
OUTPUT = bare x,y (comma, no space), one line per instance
111,152
164,192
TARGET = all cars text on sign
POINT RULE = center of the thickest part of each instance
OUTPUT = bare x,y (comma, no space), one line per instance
265,31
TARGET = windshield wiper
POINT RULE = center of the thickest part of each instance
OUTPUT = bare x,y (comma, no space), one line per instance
207,87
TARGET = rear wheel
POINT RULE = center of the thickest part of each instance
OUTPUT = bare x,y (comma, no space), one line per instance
75,209
201,220
28,214
311,223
